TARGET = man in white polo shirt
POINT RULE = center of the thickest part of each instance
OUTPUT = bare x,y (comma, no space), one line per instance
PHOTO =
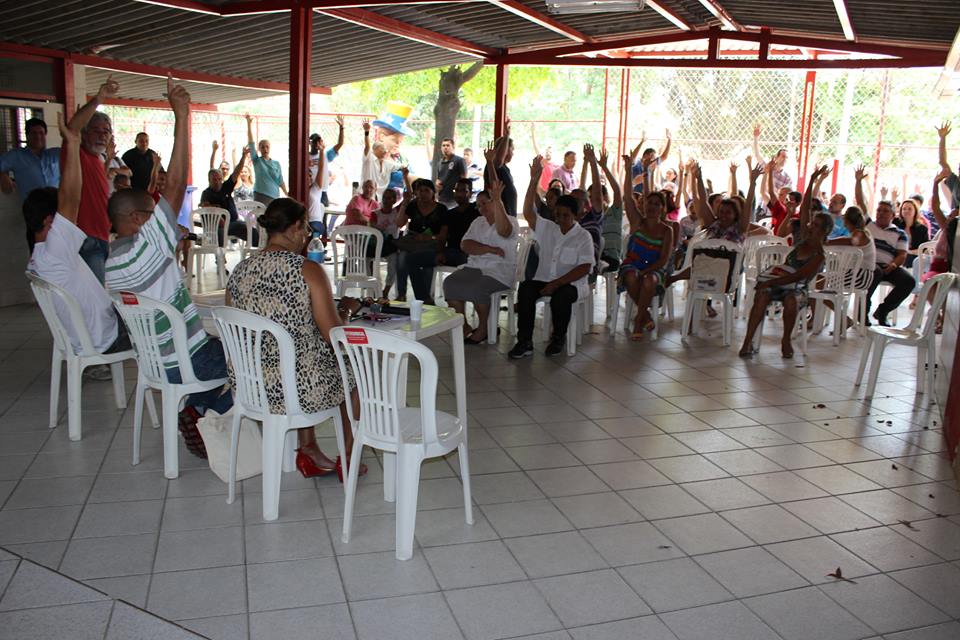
566,258
55,240
891,244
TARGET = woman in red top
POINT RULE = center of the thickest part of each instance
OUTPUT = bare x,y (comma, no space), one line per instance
363,206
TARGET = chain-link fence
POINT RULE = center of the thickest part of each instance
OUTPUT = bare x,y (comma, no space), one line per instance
882,119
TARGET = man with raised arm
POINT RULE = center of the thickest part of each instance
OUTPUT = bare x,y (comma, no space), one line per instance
502,155
891,243
95,130
55,240
142,261
566,259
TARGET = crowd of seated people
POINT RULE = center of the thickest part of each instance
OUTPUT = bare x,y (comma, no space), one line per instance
90,231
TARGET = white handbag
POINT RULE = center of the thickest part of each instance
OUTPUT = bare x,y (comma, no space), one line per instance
215,431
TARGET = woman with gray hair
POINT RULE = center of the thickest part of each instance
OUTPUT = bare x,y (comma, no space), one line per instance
268,175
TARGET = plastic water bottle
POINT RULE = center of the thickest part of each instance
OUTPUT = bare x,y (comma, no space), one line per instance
315,250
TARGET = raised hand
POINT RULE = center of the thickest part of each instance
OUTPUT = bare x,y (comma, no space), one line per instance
177,96
588,152
536,168
895,194
860,173
490,153
944,129
635,152
756,131
66,133
108,89
215,146
366,125
339,120
826,170
495,188
883,192
733,167
248,118
603,157
756,171
667,132
246,151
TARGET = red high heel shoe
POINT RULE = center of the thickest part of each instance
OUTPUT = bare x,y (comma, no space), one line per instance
310,469
340,470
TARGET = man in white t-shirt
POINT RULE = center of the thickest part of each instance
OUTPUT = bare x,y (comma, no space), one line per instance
490,243
55,240
566,258
377,164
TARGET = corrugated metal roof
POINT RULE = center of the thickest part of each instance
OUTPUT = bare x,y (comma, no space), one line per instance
814,16
928,22
256,46
142,87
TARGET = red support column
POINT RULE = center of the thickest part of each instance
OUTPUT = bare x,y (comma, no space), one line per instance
500,104
301,35
66,91
806,129
606,92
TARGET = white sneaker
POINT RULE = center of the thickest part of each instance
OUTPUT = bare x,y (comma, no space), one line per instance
100,372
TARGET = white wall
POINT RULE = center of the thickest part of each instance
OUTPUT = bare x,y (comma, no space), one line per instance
13,243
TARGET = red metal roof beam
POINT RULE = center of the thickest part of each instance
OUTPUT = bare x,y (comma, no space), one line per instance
541,19
378,22
721,14
844,17
669,15
599,47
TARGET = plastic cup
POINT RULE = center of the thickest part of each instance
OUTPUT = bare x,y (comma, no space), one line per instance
416,311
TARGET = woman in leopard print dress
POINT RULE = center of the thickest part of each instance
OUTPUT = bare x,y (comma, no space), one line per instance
279,284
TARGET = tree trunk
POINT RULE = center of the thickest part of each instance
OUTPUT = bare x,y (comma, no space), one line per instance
448,106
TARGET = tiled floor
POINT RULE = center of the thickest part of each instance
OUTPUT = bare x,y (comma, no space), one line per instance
634,491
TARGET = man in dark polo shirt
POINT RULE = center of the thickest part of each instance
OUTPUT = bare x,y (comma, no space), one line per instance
219,193
458,219
452,168
140,161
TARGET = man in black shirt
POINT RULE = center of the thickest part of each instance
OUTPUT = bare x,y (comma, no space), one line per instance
451,170
140,161
458,219
219,193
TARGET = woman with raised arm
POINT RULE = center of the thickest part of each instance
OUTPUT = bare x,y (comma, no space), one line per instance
857,236
787,283
649,247
268,176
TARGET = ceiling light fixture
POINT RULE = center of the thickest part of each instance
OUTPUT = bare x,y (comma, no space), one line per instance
561,7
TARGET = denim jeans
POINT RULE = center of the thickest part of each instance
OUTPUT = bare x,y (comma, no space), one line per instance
94,252
209,362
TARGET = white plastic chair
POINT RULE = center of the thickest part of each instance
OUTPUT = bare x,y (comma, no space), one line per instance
49,297
440,274
242,334
750,247
353,267
841,266
141,315
213,241
769,256
725,293
378,360
250,209
250,247
861,287
921,264
919,333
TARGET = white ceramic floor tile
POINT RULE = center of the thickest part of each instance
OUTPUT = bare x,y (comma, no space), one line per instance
725,620
674,584
807,614
749,572
883,604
